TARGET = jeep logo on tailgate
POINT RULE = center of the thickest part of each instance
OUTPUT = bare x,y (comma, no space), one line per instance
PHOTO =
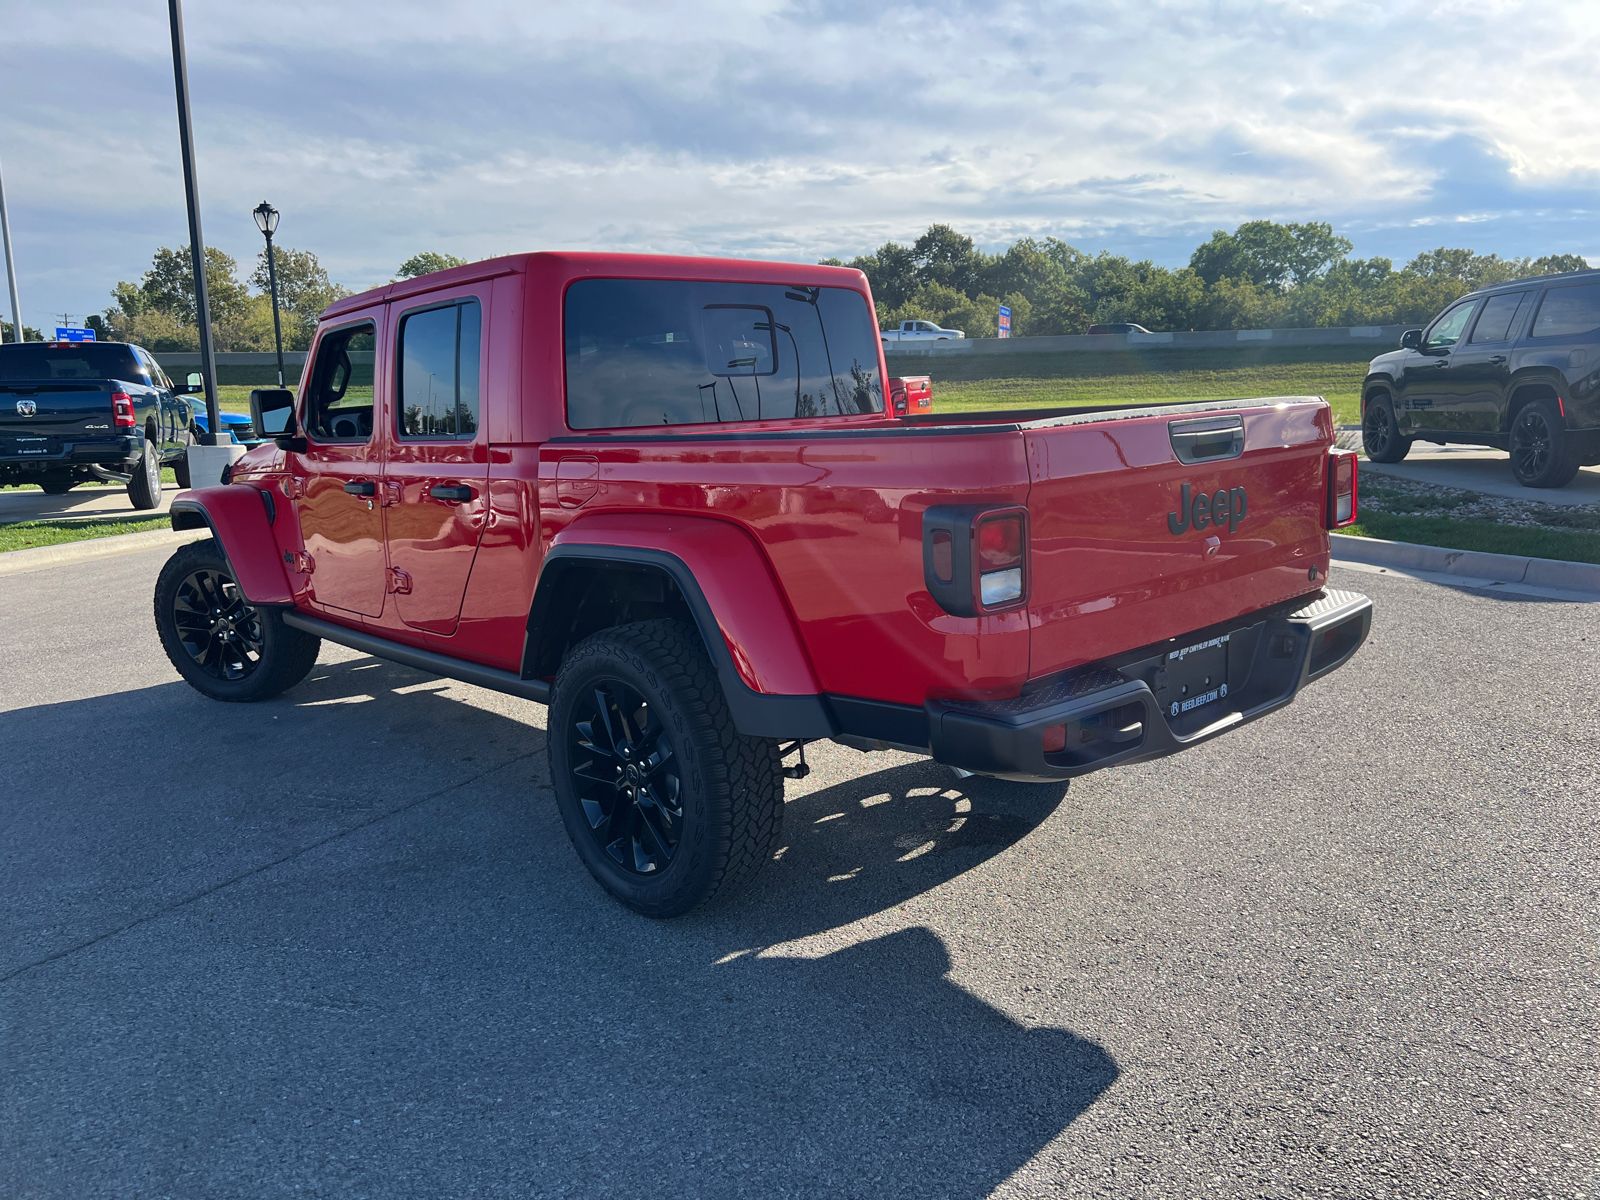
1219,508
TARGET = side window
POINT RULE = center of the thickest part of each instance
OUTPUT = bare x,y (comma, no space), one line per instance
339,400
1447,330
643,352
1567,311
438,384
1498,316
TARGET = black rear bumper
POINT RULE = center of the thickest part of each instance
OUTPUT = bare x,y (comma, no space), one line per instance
1112,715
36,454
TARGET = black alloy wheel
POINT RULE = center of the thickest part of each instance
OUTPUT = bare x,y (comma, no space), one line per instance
1532,444
220,632
1380,435
625,776
1542,455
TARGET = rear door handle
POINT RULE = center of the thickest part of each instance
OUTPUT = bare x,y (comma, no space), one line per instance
451,492
1441,363
1497,358
361,487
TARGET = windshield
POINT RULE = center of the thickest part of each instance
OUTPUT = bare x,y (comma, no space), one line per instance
673,352
33,361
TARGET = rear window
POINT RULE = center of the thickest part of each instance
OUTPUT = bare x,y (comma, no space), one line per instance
646,352
1567,311
83,360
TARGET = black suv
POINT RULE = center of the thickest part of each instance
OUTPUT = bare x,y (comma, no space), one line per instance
1515,366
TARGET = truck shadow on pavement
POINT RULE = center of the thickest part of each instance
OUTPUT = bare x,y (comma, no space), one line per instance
363,959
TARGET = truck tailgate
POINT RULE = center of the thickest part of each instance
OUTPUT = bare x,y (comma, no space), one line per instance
1115,548
72,411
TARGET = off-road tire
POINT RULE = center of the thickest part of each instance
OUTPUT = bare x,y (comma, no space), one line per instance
1543,454
144,489
731,785
180,472
285,656
58,487
1380,434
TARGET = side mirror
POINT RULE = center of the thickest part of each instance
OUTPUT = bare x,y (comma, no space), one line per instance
193,385
1411,339
271,411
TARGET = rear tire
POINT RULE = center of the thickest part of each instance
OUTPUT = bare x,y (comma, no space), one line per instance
144,489
1542,452
58,487
666,803
1380,433
224,647
180,472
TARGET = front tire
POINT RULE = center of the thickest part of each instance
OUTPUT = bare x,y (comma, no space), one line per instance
1542,453
1380,433
57,487
224,647
666,803
144,489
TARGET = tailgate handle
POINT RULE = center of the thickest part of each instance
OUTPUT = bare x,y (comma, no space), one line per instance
1207,440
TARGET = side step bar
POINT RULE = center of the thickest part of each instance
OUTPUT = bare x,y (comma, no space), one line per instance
423,660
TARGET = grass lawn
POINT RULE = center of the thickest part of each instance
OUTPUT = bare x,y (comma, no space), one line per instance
991,381
1571,546
24,535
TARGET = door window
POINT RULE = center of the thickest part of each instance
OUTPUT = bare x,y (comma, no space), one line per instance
1499,317
1447,330
439,369
339,401
1567,311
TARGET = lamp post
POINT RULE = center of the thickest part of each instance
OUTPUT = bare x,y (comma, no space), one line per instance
197,246
267,221
11,269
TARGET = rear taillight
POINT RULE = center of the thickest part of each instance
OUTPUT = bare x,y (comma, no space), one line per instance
974,558
1341,489
122,410
1000,560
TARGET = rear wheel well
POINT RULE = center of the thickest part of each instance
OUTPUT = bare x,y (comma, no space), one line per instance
586,597
1524,396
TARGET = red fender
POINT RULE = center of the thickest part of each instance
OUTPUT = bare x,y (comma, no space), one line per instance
240,516
734,577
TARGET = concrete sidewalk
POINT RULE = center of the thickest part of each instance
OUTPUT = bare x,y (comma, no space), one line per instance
1474,469
108,500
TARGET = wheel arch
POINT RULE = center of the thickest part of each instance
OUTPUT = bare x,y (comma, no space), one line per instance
1376,385
611,570
1524,392
240,517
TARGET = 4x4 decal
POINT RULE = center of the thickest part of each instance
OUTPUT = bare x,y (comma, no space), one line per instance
1219,508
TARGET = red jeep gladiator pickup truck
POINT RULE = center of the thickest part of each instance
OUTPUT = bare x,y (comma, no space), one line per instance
664,497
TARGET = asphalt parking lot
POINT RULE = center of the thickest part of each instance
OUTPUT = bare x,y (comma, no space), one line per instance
338,945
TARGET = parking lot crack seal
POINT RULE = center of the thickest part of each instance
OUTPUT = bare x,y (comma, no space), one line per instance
254,871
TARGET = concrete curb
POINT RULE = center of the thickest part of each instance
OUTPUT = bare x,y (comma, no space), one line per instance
1471,564
15,562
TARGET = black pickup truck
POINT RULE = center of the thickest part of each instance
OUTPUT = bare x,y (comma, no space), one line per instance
74,411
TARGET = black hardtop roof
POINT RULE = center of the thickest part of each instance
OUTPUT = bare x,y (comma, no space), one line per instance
1518,285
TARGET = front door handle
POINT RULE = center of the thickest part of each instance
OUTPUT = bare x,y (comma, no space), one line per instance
1497,358
361,487
451,492
1441,363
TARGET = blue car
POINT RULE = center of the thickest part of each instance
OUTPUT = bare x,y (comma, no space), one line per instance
238,424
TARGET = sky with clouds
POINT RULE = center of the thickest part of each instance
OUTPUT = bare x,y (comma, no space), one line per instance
790,130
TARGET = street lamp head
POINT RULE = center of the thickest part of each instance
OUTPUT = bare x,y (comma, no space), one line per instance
266,218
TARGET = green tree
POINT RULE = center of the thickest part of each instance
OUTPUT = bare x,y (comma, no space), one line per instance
168,287
426,263
29,333
1265,252
304,290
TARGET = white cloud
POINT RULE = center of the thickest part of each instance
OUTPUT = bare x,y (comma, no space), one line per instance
792,130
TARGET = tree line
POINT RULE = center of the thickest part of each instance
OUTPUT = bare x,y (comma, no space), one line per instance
158,312
1263,275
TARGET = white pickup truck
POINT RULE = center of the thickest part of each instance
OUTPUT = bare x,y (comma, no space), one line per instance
919,331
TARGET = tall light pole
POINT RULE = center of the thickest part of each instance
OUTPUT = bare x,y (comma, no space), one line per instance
11,267
267,221
197,246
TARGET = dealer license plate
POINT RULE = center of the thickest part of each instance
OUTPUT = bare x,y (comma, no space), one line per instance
1197,675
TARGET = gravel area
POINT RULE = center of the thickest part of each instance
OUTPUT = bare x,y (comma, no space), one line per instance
1409,498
